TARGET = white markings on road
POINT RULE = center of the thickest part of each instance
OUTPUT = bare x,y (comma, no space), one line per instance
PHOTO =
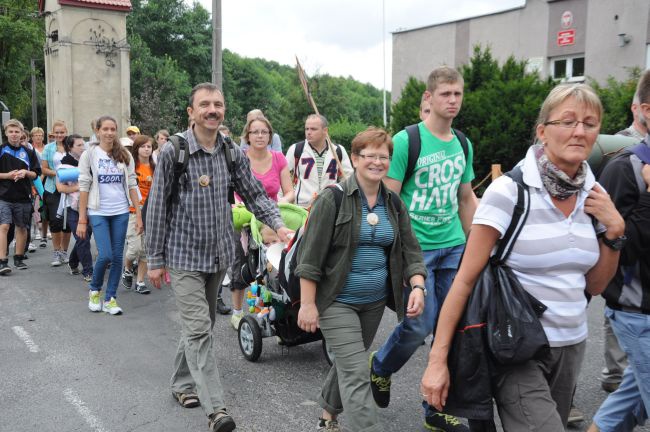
72,398
26,338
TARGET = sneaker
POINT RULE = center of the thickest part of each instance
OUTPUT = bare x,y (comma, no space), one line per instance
19,263
610,387
440,422
94,301
235,318
575,416
127,279
4,267
88,277
73,270
379,385
64,256
327,425
111,307
222,308
31,247
43,243
56,259
221,422
141,288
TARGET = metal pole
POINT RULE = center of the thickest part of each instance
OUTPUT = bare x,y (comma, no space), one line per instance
383,63
34,113
217,59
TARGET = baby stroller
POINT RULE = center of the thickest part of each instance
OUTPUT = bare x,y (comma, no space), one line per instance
272,313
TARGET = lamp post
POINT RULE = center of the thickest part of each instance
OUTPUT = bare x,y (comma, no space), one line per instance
217,59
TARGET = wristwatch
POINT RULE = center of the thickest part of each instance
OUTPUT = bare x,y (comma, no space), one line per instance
615,244
422,287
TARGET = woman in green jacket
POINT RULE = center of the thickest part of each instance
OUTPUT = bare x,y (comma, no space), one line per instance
352,263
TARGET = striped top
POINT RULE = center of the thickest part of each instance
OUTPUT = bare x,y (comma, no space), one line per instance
552,254
366,282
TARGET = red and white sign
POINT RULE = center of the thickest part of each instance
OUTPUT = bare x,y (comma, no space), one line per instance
566,37
567,19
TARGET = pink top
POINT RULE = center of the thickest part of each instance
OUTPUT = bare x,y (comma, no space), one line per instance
271,178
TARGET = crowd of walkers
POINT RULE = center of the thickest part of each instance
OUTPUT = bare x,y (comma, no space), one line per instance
394,224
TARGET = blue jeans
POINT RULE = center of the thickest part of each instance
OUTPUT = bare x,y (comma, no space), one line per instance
629,405
81,251
110,233
442,265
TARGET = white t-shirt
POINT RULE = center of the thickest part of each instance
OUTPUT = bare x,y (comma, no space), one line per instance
112,199
57,160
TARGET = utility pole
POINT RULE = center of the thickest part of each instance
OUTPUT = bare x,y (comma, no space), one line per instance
217,59
383,62
34,113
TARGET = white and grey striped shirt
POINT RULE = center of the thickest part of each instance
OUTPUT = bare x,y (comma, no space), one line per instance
552,254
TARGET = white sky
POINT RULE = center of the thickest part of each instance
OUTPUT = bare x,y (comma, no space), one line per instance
338,37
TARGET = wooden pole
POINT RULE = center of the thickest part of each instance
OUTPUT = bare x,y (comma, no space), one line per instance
496,171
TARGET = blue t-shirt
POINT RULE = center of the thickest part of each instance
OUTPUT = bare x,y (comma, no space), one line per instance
366,282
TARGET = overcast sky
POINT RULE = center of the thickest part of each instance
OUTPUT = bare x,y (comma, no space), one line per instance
338,37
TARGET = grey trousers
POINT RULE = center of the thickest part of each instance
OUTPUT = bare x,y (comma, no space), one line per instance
536,396
615,358
349,331
195,365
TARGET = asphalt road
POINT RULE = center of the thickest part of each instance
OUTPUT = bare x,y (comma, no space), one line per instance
63,368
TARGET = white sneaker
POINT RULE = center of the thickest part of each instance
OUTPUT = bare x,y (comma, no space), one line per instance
235,319
31,247
56,259
111,307
64,257
94,301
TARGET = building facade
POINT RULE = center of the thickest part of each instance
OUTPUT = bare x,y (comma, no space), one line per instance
569,40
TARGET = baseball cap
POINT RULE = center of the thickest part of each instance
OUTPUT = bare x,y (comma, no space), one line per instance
133,129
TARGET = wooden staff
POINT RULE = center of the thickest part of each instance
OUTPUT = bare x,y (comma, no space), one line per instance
305,87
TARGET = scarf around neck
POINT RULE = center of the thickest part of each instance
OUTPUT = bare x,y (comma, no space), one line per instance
558,184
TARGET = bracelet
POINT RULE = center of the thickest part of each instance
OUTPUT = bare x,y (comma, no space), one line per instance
82,223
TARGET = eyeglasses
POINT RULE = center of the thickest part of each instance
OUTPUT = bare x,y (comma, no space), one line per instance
572,124
262,132
374,157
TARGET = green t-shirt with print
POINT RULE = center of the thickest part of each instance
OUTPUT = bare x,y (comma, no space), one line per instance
431,193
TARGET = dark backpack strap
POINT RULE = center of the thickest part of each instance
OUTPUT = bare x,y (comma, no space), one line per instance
182,158
297,152
231,163
337,190
339,153
519,215
414,146
463,142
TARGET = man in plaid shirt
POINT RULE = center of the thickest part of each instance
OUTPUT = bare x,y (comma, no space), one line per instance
194,239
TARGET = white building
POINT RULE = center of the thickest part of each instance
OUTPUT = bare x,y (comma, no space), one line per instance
565,39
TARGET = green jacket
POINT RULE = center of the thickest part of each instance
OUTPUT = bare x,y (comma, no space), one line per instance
328,247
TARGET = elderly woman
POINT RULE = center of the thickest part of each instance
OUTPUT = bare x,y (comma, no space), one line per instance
557,257
354,260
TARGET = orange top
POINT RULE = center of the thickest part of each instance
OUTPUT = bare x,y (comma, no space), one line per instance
145,179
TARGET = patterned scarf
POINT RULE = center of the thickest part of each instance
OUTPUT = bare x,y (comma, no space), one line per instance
558,184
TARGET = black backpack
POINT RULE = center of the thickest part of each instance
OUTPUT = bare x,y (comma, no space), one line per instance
182,157
415,145
297,153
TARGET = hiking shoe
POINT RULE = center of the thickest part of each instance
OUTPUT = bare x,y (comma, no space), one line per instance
440,422
19,263
221,422
141,288
64,256
88,277
234,320
94,301
222,308
111,307
327,425
575,416
56,259
609,387
4,267
43,243
127,279
73,270
31,247
379,385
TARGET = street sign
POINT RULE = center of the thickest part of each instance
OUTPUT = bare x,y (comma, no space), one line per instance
566,37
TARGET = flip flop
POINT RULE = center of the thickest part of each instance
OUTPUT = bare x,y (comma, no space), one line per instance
187,400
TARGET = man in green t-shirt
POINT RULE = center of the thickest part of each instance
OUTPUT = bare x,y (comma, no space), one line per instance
441,205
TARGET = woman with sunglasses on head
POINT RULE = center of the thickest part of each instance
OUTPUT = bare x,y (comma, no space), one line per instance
354,259
559,255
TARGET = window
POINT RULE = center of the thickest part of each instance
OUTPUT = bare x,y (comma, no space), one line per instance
568,68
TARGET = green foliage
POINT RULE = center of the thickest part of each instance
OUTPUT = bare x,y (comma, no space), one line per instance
406,111
343,131
617,97
21,39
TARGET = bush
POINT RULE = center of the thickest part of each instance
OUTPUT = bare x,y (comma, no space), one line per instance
343,132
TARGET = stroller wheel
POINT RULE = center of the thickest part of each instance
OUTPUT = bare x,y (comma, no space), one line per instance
329,356
250,338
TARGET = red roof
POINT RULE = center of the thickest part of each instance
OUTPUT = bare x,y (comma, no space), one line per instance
118,5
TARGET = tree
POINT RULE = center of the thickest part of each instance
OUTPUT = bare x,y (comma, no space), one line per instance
617,97
406,111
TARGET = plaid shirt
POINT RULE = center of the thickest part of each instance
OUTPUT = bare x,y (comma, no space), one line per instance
199,234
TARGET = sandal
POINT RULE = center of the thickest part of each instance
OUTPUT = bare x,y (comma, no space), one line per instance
187,400
221,422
